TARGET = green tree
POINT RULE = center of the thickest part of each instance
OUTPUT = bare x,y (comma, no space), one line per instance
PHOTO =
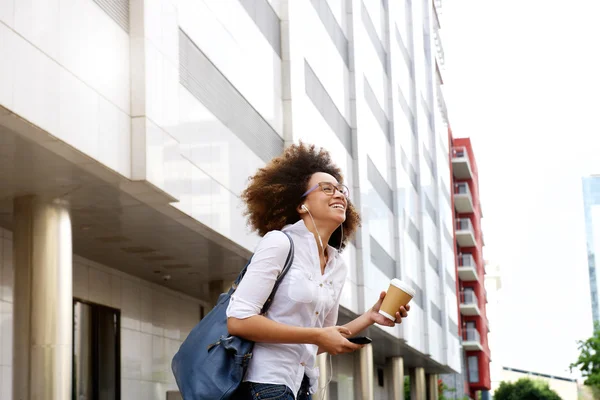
525,389
589,359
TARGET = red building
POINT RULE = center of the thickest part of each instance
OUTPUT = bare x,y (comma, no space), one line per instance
470,268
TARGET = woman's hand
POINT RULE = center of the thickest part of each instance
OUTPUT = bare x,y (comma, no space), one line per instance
381,320
333,340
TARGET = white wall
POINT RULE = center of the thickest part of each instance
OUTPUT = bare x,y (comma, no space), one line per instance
154,322
65,68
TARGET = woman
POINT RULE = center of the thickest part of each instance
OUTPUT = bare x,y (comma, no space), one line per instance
302,194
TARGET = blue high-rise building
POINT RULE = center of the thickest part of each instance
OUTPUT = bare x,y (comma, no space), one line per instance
591,203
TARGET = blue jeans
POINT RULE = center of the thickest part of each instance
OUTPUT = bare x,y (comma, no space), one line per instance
268,391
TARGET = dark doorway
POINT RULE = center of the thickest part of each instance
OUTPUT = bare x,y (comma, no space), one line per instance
96,352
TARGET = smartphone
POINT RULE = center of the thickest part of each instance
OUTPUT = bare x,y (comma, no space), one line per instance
360,340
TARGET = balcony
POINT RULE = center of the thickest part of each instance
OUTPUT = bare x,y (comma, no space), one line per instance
471,340
467,269
463,200
461,166
465,234
468,304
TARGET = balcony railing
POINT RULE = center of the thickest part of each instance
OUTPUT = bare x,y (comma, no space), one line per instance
471,335
463,199
459,152
462,188
464,224
468,298
467,269
466,260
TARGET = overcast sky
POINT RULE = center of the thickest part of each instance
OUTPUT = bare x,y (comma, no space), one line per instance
522,80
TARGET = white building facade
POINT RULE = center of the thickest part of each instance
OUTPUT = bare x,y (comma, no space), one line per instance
128,130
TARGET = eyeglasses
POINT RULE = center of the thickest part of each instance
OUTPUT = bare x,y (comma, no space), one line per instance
329,189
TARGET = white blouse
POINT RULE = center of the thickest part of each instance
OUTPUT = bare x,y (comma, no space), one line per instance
305,298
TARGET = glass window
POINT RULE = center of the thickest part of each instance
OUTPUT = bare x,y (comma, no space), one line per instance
473,369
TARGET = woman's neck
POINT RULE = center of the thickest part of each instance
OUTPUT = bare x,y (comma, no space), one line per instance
324,231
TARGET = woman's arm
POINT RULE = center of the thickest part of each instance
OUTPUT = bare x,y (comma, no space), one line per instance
261,329
244,319
373,317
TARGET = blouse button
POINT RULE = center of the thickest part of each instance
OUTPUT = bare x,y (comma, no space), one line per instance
316,312
321,285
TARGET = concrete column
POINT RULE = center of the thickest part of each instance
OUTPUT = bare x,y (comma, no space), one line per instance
365,356
324,376
395,378
418,389
432,387
43,300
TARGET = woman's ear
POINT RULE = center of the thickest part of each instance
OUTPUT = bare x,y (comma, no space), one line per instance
302,209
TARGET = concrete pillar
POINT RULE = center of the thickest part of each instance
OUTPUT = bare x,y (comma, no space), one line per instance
432,387
418,389
325,372
365,356
395,378
43,300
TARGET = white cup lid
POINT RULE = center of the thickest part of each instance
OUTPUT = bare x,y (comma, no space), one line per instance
403,286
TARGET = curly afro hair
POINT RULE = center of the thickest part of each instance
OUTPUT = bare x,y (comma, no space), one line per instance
276,190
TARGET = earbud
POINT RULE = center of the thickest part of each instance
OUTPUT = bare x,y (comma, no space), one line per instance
304,207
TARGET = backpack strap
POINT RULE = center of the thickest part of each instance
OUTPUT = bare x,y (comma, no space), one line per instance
284,270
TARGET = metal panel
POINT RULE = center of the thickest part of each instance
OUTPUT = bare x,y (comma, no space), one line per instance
266,20
407,111
453,328
332,27
431,210
118,10
381,186
436,313
377,110
207,84
450,282
449,237
414,233
403,49
375,41
433,261
418,299
318,95
382,259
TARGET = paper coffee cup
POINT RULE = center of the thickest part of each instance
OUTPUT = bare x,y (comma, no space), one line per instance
398,295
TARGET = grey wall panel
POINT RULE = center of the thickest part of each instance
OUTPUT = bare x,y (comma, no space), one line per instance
431,210
403,49
450,281
446,193
433,261
266,20
377,110
453,328
414,233
381,186
429,161
407,111
207,84
118,10
418,299
318,95
382,259
436,313
448,236
375,41
333,28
